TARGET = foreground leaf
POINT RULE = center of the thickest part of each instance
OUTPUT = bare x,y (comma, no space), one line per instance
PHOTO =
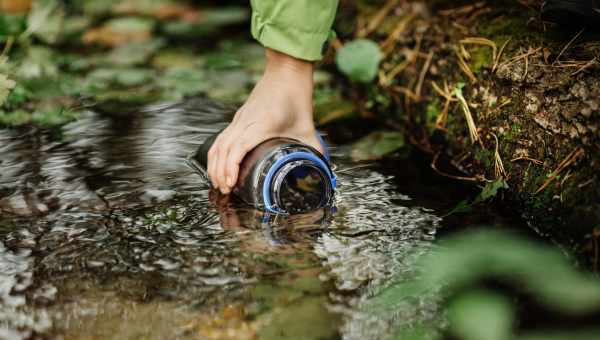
359,60
481,315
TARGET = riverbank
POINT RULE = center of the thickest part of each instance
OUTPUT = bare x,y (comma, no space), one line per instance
496,93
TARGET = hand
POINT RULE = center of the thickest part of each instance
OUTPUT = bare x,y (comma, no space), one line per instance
280,105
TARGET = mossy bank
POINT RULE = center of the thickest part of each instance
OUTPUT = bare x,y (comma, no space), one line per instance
497,93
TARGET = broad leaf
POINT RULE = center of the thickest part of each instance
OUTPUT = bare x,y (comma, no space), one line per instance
359,60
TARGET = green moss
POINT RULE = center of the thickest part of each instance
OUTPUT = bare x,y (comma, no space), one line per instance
486,157
480,57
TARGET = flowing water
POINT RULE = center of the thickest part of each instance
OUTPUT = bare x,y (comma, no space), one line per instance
106,233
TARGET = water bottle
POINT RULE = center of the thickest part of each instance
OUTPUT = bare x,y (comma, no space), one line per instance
280,175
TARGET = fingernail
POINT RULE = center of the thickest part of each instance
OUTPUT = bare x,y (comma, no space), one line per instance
230,181
225,191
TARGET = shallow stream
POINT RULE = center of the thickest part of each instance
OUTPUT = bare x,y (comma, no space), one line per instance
106,233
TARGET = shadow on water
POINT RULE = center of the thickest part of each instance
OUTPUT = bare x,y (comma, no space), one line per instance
107,233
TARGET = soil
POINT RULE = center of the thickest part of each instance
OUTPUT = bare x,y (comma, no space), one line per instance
532,89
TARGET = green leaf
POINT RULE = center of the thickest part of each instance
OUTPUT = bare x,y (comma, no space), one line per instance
134,53
45,20
14,118
178,83
462,207
377,144
6,85
11,25
54,116
130,25
38,63
359,60
491,190
481,315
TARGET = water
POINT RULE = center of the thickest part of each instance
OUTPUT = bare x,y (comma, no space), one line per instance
106,233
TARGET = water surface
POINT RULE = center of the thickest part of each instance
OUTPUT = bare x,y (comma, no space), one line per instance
106,233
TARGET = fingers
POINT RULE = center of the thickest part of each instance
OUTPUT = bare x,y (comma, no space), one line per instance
213,159
234,158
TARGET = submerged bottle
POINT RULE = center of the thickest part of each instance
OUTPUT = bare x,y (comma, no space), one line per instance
280,175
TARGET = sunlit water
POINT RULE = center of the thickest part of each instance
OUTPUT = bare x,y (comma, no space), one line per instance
106,233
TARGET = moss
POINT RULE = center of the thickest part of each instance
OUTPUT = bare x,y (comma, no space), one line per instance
485,157
480,58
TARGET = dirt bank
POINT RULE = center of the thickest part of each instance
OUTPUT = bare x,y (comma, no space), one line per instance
496,92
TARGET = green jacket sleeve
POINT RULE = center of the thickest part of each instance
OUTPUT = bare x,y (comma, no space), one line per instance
299,28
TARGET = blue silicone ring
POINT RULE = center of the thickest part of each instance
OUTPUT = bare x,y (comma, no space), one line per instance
294,156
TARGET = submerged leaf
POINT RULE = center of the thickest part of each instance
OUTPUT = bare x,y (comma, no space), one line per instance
377,144
359,60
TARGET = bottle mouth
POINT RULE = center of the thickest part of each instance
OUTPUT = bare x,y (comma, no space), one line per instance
301,186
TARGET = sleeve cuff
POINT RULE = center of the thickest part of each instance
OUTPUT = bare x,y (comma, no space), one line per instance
289,40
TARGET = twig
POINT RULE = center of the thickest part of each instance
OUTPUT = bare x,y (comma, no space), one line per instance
524,158
484,42
567,46
388,43
468,116
464,67
422,75
587,65
440,122
461,178
377,19
499,170
570,159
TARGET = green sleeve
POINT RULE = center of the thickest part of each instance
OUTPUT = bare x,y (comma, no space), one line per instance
299,28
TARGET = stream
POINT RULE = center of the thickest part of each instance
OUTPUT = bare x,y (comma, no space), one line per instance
107,233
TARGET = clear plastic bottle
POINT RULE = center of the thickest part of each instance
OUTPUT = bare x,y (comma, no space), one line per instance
280,175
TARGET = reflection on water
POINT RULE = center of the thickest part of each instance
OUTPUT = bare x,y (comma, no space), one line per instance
107,233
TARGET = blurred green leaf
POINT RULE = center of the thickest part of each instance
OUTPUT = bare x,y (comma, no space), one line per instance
178,83
103,78
481,315
359,60
12,25
54,116
130,24
462,261
377,144
39,62
134,53
208,22
45,20
6,85
14,118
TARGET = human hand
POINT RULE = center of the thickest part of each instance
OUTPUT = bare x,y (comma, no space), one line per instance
280,105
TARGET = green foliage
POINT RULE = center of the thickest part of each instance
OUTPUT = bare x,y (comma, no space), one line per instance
6,85
377,144
359,60
459,264
481,315
41,84
488,192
